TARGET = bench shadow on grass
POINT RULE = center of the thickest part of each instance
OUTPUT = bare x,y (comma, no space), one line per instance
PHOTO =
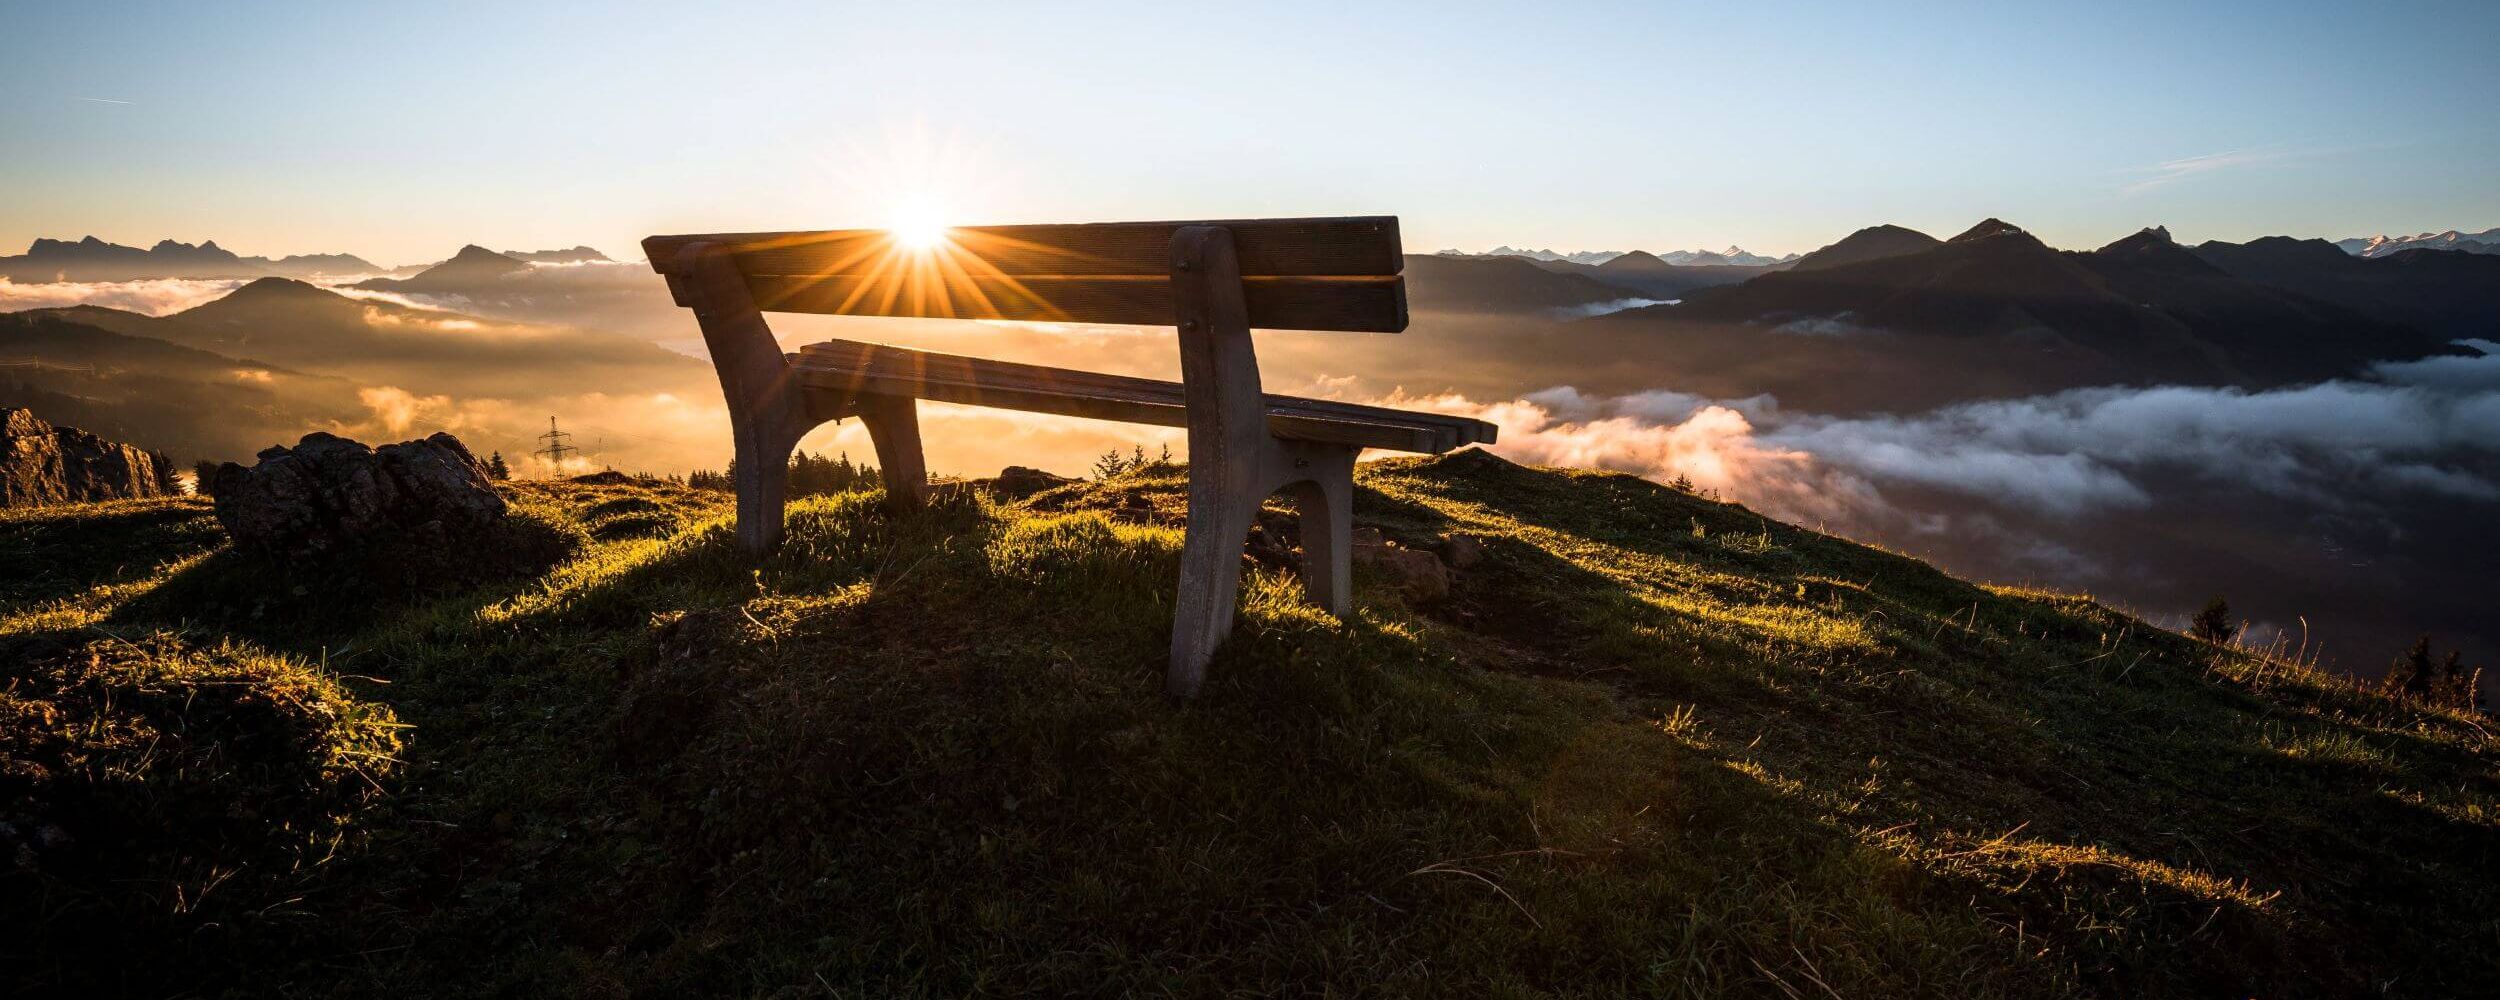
305,605
49,554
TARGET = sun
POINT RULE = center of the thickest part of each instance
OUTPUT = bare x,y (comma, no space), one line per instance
918,226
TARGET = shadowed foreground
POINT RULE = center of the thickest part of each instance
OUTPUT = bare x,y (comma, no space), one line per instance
1653,744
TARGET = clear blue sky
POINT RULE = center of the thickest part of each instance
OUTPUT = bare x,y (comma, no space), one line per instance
401,131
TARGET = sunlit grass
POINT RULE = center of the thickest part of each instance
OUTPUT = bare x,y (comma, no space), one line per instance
929,755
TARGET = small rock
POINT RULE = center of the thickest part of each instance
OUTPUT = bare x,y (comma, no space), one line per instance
1461,550
1419,573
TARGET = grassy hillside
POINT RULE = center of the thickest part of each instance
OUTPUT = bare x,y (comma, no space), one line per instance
1652,745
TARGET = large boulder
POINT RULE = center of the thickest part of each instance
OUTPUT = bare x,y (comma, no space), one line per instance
329,494
43,464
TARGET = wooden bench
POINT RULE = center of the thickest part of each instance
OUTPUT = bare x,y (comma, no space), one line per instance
1213,281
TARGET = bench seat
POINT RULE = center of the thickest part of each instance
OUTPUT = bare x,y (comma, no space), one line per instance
842,369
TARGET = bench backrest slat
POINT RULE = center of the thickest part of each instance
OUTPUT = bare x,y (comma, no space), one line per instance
1299,274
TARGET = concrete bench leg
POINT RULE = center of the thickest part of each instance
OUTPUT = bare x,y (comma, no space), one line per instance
894,427
767,415
1321,483
1210,590
763,485
1223,505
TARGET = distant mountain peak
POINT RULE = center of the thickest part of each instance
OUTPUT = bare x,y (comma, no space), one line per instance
1988,228
2147,238
2152,247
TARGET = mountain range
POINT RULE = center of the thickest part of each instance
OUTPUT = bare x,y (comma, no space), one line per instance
2487,241
93,260
1892,319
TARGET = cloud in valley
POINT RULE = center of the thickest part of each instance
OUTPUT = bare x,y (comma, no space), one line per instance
2431,425
155,297
1609,306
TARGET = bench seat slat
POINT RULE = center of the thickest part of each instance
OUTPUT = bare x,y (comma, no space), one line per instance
1360,245
847,367
1370,305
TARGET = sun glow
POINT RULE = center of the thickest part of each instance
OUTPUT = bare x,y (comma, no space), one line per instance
918,227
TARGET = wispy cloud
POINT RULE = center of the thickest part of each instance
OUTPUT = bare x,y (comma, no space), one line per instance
104,100
2171,172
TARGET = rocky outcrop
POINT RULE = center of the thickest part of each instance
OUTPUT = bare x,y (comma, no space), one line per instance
43,464
1016,482
329,494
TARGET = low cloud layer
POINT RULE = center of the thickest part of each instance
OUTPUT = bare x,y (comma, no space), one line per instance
1609,306
154,297
2431,425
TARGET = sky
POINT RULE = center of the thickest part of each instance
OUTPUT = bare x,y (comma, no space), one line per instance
400,132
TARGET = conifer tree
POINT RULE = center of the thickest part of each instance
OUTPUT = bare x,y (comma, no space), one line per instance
2415,667
496,468
2214,623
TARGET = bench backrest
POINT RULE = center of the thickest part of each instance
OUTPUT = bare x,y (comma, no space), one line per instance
1297,274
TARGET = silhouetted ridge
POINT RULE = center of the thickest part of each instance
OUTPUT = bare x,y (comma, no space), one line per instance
2277,251
475,254
280,290
2445,293
1871,243
2153,248
464,272
1637,260
1500,285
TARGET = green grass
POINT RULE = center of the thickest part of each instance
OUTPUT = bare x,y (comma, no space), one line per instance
1654,745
